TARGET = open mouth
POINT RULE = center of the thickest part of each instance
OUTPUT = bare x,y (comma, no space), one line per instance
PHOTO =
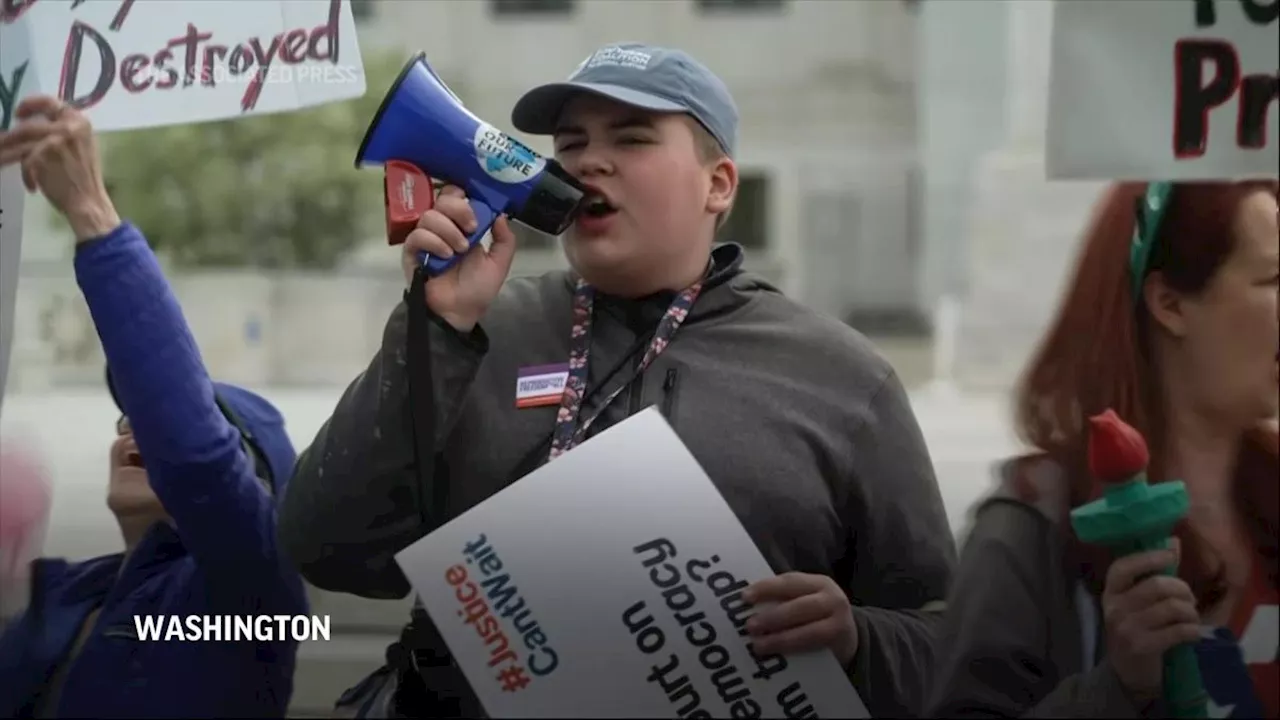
597,205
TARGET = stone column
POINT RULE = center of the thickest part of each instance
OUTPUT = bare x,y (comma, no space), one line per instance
1024,230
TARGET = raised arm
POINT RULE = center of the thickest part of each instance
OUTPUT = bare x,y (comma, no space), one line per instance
196,460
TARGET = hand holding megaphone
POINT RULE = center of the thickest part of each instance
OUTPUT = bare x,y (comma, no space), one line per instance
422,131
462,293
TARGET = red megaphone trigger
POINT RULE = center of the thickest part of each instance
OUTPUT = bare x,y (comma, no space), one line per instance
407,192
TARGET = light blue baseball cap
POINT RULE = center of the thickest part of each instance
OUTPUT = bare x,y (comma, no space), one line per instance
644,76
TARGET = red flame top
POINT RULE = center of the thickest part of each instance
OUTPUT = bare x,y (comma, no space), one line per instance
1117,451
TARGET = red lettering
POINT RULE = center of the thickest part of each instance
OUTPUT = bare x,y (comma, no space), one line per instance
71,66
1194,98
200,57
11,10
1257,94
117,22
327,32
455,575
488,629
474,611
241,60
295,47
212,54
121,13
131,68
263,58
1206,77
471,591
161,63
192,42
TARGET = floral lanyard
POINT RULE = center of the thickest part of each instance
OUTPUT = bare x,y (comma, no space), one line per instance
569,431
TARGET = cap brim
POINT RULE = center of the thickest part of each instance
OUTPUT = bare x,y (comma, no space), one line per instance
539,110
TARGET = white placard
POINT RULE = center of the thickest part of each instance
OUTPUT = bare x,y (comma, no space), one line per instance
165,62
1167,89
130,64
607,584
11,203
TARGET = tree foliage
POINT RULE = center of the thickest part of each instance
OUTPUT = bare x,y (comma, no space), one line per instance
267,191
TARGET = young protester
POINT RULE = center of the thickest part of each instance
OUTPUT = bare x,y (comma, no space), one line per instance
804,428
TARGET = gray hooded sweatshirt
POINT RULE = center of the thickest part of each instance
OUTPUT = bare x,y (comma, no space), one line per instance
803,427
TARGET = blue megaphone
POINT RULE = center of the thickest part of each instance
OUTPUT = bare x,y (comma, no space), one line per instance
422,123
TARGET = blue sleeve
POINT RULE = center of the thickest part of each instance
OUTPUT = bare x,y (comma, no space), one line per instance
195,459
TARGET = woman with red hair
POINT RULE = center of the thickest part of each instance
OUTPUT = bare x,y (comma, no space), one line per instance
1172,321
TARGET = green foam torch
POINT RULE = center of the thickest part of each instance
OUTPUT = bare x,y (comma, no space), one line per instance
1134,516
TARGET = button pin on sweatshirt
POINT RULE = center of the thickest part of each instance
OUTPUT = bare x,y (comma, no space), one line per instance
541,385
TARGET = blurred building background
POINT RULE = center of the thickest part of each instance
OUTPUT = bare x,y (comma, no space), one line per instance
861,126
891,176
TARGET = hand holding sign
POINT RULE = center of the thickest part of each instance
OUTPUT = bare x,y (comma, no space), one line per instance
812,613
55,144
662,629
137,65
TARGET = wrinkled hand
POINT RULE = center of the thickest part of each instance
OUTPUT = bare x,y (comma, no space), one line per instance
812,612
58,152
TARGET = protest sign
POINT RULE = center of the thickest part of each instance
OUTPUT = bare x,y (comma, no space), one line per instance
608,584
143,64
1182,90
131,65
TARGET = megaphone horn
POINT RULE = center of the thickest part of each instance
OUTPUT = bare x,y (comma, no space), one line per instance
422,126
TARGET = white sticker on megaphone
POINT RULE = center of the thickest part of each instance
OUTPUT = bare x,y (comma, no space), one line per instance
504,158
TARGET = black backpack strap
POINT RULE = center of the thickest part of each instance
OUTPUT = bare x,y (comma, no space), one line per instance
430,683
432,497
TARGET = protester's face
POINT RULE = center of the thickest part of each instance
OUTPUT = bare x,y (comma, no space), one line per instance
662,193
129,492
1232,328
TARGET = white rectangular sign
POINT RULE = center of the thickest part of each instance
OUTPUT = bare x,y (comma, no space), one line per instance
608,584
1168,89
144,64
132,64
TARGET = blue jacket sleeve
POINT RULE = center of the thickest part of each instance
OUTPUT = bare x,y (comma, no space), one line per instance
196,462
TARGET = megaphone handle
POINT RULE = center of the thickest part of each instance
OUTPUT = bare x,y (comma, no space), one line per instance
485,217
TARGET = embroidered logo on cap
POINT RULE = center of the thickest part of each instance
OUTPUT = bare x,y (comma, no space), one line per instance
616,57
